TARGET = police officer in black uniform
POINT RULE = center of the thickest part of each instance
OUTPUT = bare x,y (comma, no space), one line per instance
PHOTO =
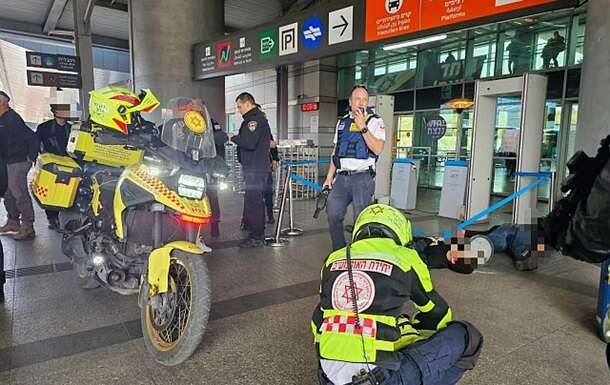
253,139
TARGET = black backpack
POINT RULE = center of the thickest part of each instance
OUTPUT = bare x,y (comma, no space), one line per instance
579,225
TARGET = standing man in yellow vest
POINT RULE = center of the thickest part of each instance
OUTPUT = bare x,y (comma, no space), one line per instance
360,334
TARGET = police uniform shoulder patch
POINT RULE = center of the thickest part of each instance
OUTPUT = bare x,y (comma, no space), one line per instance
252,125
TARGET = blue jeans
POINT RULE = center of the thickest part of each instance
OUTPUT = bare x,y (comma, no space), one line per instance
514,240
430,362
356,189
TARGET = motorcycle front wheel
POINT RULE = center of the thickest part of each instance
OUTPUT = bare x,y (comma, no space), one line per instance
172,337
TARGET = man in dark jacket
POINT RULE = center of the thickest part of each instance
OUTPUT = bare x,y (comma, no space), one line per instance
253,140
53,137
19,148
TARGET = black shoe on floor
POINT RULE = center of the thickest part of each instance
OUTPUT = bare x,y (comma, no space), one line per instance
53,224
528,264
251,243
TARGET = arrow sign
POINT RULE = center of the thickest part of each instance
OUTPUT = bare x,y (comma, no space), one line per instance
342,22
344,25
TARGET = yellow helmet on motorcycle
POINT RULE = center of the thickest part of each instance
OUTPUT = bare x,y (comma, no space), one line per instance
118,108
382,221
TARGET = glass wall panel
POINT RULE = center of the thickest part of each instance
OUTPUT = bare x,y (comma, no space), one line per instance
404,136
573,83
577,40
550,49
518,51
483,57
508,124
444,64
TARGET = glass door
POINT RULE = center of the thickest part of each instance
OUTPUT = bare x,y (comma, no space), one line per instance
404,136
567,142
506,145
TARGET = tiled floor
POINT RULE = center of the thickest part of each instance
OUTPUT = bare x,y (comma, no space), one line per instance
539,327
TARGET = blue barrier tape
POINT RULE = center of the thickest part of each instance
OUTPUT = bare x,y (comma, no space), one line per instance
303,162
495,206
541,174
456,163
306,182
404,160
417,232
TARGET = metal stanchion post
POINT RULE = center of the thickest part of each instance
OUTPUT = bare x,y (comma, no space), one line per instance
276,241
291,231
278,182
552,190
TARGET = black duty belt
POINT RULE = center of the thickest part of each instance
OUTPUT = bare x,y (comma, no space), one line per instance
370,171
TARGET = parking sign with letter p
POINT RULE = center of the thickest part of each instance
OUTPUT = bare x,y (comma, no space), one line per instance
289,43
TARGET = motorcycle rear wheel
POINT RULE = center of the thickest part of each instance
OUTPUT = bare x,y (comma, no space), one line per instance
190,284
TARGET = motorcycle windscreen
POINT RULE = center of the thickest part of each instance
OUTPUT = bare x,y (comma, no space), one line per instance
187,128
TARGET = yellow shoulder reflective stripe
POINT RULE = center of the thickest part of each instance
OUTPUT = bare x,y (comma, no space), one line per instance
446,319
421,269
386,346
426,308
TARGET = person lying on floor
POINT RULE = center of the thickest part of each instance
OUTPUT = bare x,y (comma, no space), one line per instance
579,224
437,254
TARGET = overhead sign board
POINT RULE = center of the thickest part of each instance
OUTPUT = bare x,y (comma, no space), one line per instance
322,31
391,18
53,79
346,26
51,61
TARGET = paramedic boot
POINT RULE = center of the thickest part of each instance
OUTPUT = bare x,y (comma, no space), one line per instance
25,233
12,226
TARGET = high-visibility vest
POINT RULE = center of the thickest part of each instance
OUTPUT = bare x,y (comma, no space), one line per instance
375,337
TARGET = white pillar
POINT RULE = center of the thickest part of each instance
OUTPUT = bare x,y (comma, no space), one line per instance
594,100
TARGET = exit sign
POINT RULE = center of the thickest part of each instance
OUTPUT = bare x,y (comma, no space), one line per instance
307,107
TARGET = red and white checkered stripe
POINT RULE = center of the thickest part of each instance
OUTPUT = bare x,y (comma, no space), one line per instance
347,324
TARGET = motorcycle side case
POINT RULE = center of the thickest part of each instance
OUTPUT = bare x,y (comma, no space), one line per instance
56,181
82,145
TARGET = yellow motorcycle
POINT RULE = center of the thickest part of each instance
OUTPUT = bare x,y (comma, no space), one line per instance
132,200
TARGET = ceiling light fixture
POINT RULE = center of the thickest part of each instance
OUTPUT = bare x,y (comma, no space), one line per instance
411,43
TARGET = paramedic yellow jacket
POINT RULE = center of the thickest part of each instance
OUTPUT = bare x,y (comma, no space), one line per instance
385,277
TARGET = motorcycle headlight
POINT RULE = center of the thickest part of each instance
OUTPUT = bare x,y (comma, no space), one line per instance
191,186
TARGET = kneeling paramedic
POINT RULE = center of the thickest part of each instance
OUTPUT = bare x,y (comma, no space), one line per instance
360,334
